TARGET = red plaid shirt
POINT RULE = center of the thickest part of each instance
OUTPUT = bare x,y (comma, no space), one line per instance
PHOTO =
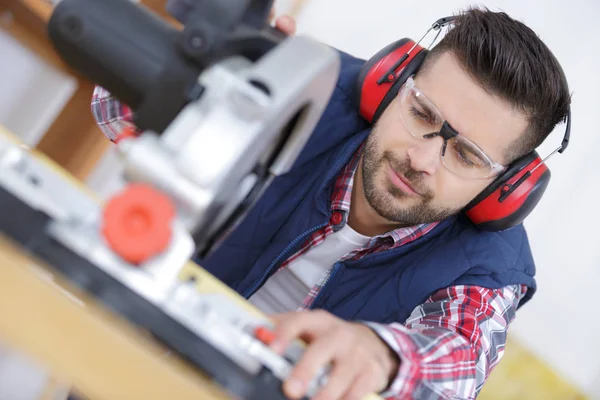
449,344
110,114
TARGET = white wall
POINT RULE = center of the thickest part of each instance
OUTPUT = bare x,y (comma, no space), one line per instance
31,93
561,324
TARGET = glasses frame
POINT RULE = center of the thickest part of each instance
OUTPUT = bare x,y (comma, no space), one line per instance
446,133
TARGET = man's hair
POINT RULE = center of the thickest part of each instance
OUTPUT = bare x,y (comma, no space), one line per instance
509,60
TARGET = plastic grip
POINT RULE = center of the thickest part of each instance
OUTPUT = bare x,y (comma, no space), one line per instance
114,43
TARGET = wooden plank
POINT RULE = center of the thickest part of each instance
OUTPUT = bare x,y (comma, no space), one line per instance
42,9
102,356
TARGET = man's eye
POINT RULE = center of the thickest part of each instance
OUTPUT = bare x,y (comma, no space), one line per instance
464,158
422,115
467,157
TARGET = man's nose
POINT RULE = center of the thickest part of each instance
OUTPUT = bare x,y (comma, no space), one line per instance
425,155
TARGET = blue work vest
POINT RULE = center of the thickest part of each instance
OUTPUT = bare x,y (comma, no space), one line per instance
381,287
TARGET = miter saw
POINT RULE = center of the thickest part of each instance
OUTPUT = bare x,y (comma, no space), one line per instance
225,104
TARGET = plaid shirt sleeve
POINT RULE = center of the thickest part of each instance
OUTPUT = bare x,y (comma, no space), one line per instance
110,114
450,344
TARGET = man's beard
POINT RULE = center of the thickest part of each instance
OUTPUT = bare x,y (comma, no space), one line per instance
382,199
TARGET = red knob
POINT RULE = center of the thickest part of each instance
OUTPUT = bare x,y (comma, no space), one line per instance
137,223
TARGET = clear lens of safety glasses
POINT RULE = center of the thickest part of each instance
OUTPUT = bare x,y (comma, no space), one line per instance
458,154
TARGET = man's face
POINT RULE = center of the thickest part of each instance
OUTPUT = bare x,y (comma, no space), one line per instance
404,179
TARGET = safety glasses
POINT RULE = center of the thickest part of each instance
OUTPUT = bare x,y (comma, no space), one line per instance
458,154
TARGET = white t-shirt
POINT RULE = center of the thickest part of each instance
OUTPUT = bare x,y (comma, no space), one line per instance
286,289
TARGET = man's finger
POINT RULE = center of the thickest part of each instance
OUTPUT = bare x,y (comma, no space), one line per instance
305,325
340,379
361,386
286,24
317,356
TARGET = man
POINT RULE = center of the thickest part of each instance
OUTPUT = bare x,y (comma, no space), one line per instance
401,294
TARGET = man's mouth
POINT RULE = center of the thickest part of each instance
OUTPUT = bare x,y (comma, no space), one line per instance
401,182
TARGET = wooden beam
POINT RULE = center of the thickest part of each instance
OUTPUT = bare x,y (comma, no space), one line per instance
42,9
100,354
158,7
74,141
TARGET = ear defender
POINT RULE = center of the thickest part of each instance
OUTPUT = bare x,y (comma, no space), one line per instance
381,77
511,197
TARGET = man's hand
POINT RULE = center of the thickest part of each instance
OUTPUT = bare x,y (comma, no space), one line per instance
361,363
285,23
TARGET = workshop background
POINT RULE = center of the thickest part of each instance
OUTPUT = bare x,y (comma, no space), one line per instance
554,345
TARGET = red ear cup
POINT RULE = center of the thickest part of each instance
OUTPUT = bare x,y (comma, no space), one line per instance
498,208
373,97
